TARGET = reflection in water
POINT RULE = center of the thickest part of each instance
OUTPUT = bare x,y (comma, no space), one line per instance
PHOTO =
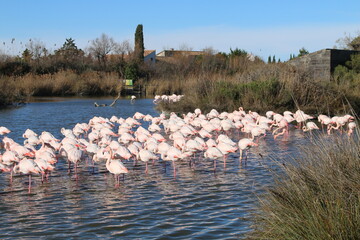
197,204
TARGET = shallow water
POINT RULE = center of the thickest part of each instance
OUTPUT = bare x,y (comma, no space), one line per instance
197,204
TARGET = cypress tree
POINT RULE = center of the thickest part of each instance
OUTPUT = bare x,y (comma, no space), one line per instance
274,60
139,43
269,59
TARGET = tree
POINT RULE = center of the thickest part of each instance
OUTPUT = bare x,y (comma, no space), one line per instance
26,55
237,52
302,52
209,51
132,71
273,59
124,48
100,47
349,42
139,43
355,43
269,59
37,48
69,54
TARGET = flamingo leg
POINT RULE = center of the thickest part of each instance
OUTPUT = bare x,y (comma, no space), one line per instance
76,176
116,180
29,190
146,168
11,176
174,169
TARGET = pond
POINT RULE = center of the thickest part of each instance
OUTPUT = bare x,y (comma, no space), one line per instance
198,204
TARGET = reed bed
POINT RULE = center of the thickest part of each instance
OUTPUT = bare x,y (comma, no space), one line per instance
66,83
316,196
261,87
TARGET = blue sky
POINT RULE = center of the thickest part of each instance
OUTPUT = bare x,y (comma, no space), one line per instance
262,27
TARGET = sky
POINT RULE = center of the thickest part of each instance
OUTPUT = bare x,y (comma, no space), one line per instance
261,27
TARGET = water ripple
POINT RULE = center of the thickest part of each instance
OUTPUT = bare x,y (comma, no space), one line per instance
198,204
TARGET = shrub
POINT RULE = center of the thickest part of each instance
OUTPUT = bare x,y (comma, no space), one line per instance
316,196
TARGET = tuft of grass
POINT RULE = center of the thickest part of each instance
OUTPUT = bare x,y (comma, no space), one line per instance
317,196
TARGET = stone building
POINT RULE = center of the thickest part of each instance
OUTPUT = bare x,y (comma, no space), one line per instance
321,64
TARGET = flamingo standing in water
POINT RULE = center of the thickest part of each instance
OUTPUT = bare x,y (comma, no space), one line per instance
225,149
27,166
74,155
244,145
115,167
146,156
173,154
351,127
214,153
282,125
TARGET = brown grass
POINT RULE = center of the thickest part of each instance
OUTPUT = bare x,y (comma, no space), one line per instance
68,83
316,196
260,87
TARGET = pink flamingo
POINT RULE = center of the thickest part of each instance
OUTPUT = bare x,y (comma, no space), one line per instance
173,154
146,156
282,125
225,149
115,167
10,158
309,126
27,166
351,127
244,145
213,153
74,155
4,130
45,166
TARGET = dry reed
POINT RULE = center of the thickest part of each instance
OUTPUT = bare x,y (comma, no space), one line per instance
316,196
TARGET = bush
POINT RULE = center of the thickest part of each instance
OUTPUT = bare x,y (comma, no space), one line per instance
15,68
316,196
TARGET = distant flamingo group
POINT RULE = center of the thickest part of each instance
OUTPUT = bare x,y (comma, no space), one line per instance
116,142
167,98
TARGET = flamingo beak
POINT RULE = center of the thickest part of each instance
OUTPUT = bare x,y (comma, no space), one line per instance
29,154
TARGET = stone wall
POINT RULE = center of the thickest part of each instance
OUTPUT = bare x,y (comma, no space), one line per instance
321,64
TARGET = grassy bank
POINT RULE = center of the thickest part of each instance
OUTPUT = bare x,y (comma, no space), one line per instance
266,87
64,83
316,197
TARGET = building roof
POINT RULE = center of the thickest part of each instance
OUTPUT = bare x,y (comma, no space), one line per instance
173,53
148,52
126,56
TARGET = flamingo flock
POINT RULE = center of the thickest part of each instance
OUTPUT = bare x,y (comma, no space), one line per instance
167,98
118,143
